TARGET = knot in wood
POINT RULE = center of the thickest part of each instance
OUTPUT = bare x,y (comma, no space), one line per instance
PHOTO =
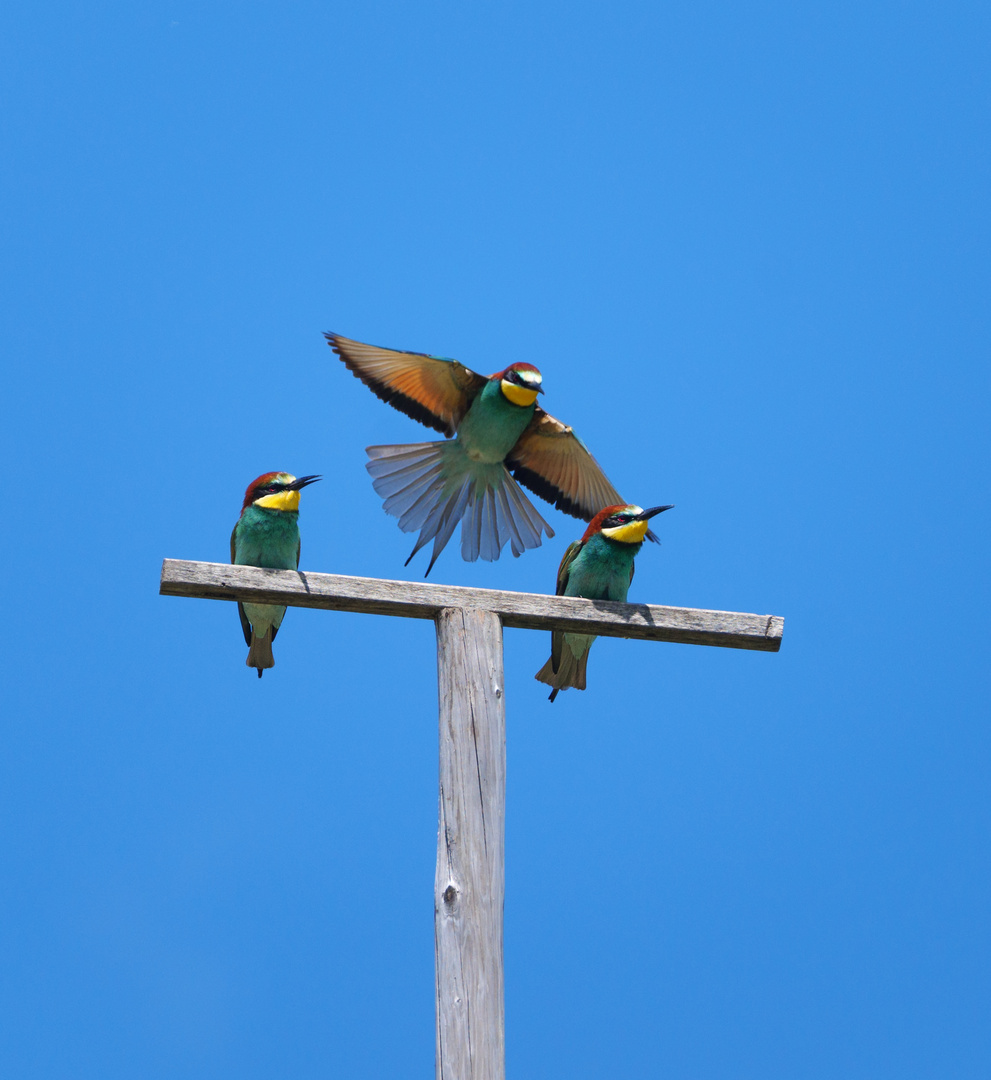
450,895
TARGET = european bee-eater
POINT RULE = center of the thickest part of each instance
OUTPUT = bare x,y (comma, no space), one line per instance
495,428
267,534
598,567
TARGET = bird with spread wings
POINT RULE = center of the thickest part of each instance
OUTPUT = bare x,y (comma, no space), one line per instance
496,432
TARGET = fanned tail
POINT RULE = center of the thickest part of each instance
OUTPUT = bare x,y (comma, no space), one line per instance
432,486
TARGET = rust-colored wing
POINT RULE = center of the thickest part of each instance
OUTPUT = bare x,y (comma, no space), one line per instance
434,391
555,464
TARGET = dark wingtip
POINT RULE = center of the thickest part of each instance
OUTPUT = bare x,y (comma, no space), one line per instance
553,694
259,673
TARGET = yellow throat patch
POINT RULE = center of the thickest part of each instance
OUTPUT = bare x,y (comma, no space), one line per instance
632,532
518,395
280,500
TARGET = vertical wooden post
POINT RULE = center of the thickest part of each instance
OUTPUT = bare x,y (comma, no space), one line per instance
469,887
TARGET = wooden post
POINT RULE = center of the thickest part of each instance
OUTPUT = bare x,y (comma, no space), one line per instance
469,887
470,879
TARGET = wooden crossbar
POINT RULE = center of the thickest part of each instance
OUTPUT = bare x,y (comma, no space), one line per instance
418,600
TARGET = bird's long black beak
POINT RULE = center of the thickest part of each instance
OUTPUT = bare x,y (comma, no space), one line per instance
298,485
647,514
651,536
540,389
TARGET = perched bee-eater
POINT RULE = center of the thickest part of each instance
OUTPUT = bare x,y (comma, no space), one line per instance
495,427
267,534
598,567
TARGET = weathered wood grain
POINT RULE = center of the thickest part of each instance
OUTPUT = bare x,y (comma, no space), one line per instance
418,600
469,886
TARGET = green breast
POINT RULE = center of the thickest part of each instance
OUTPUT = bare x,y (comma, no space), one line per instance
493,424
267,538
601,570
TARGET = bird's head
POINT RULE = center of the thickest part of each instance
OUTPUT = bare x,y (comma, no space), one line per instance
276,491
627,524
520,383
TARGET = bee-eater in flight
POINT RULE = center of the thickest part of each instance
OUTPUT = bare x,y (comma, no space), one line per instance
598,567
495,428
267,534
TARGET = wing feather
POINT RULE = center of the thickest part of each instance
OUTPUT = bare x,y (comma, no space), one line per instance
245,625
555,464
557,636
564,570
435,391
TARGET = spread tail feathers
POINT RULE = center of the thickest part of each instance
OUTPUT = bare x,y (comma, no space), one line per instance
260,654
570,670
432,486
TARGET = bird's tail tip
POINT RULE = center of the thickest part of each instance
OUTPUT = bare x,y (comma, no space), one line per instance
570,672
260,654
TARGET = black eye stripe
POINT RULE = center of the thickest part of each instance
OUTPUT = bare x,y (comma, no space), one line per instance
514,376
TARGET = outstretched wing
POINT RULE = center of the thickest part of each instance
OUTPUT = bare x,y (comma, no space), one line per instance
555,464
434,391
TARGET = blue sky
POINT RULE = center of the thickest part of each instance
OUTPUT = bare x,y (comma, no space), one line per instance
747,245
